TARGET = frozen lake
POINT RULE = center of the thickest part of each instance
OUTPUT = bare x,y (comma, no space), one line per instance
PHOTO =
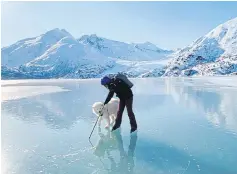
185,126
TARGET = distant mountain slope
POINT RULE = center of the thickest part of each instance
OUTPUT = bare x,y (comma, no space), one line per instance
57,54
212,54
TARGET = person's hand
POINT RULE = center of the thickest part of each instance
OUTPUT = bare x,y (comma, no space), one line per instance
104,106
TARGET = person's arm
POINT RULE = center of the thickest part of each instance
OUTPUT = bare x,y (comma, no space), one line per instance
110,95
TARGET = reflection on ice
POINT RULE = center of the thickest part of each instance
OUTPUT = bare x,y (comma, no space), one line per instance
219,105
112,141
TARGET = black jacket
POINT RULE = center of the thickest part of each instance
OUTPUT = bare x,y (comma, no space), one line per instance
120,88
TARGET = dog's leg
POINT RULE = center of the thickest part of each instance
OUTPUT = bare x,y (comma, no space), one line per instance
112,118
99,122
108,121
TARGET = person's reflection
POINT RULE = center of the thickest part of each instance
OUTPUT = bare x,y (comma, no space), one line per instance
113,141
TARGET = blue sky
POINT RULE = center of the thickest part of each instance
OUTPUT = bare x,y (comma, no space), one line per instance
167,24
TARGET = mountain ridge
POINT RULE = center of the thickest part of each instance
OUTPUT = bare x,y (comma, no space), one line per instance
57,54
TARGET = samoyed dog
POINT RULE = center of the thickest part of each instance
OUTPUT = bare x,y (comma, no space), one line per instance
107,112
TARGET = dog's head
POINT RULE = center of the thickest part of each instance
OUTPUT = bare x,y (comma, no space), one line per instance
98,108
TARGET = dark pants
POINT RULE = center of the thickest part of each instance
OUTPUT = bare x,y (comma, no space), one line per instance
128,104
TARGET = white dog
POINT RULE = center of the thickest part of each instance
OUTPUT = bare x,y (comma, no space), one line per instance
108,111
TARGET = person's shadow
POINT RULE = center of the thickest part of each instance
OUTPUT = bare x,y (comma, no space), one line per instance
113,141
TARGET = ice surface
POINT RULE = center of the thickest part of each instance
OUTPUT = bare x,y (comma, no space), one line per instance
186,126
17,92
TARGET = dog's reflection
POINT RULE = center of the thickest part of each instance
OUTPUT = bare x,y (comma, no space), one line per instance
112,141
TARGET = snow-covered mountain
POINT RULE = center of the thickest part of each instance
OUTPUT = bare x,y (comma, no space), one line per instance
212,54
26,50
13,73
57,54
135,52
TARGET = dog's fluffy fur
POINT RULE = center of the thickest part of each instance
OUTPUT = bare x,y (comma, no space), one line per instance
108,111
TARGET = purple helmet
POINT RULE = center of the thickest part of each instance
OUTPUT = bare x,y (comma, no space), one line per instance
105,80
